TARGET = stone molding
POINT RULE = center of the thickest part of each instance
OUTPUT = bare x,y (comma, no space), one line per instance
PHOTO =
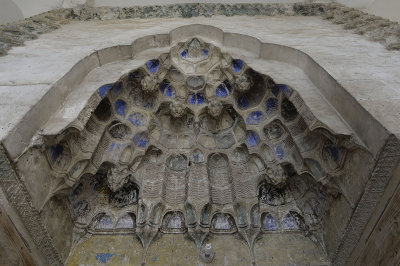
19,197
385,165
374,27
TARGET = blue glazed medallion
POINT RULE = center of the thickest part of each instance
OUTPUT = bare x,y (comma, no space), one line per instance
167,89
252,138
334,152
196,98
184,54
205,53
242,102
289,222
254,118
120,107
285,89
137,119
117,89
270,223
223,89
153,65
237,65
279,151
275,90
104,257
271,105
141,139
56,151
103,90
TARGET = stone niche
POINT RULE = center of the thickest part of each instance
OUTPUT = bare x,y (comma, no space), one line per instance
195,142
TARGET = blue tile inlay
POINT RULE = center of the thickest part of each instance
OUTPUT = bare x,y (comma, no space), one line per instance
275,90
237,65
167,89
279,151
117,89
242,102
254,118
103,90
105,221
285,89
289,222
252,138
270,223
205,53
196,98
271,105
56,151
334,151
117,147
104,257
137,119
120,107
223,89
141,139
184,53
153,65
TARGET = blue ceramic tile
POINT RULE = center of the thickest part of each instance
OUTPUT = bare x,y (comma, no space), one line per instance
104,257
254,118
252,138
196,98
141,139
103,90
270,223
184,53
279,151
289,223
271,105
120,107
237,65
117,89
275,90
56,151
242,102
153,65
285,89
224,89
334,151
137,119
221,91
205,53
167,89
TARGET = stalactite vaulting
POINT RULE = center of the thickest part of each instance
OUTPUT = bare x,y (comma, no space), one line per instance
197,142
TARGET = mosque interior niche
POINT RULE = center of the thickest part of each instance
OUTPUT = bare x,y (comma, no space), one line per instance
196,142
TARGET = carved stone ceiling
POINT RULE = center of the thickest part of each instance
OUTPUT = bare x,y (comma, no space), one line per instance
197,142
